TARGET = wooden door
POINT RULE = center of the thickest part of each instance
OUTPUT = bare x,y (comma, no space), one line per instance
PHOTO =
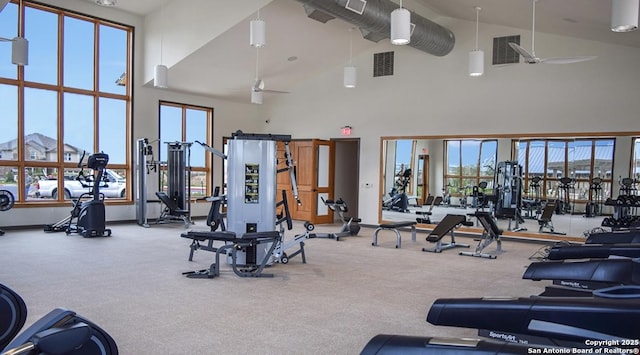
314,166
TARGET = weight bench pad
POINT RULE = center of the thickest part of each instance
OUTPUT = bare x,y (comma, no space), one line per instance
201,236
394,227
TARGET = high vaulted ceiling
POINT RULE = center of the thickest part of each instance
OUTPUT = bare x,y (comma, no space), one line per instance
299,48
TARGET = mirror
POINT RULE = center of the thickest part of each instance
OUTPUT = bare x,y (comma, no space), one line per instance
575,172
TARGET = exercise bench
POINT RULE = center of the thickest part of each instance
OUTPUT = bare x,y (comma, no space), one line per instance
215,220
490,234
446,226
394,227
172,212
233,243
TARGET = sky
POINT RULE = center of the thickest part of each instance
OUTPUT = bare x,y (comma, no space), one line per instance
41,106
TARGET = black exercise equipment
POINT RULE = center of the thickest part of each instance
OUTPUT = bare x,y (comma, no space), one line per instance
394,227
614,237
533,204
215,220
595,203
386,344
232,245
350,226
593,251
491,232
61,331
447,226
251,241
544,222
566,186
562,321
89,215
13,313
398,200
171,211
7,200
478,201
425,216
590,274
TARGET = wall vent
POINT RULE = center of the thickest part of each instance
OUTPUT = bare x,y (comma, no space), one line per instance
503,53
382,64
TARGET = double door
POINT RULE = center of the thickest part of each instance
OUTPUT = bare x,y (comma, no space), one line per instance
314,171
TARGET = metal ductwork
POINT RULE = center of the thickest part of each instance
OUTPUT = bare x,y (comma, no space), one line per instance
375,23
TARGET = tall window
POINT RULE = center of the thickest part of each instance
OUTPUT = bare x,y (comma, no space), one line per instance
582,160
188,123
469,162
68,100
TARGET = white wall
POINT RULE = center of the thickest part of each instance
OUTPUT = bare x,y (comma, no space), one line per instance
431,95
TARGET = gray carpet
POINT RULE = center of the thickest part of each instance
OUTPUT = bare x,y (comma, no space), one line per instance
131,285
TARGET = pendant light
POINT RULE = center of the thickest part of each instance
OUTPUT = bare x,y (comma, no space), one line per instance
476,56
161,72
624,15
400,26
350,75
19,44
257,32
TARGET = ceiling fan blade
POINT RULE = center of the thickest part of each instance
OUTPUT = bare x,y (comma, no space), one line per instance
275,91
528,57
567,60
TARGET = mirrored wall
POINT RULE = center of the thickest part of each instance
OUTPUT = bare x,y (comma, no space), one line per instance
461,175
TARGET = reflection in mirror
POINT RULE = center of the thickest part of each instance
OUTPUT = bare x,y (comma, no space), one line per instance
574,175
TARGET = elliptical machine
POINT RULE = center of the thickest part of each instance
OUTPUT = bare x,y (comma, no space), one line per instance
91,219
398,200
90,214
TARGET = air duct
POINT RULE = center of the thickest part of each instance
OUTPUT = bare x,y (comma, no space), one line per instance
375,24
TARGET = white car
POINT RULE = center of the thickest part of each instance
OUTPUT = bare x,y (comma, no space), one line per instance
114,187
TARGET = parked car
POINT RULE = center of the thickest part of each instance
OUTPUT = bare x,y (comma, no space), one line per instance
114,186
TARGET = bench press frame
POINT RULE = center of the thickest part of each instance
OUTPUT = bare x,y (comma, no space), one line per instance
235,244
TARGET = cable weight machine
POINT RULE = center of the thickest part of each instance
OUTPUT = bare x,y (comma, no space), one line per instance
177,199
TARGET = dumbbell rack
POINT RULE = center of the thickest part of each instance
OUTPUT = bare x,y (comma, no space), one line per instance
624,212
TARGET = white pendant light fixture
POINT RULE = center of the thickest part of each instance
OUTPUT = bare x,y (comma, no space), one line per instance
400,26
161,72
257,32
256,97
476,56
624,15
350,75
19,44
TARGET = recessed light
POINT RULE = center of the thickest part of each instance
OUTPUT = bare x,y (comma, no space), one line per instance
106,2
292,58
570,20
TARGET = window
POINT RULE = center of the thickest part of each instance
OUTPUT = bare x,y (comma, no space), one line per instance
635,164
582,160
188,123
469,162
68,100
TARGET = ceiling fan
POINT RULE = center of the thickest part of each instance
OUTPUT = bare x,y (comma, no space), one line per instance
530,57
258,84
